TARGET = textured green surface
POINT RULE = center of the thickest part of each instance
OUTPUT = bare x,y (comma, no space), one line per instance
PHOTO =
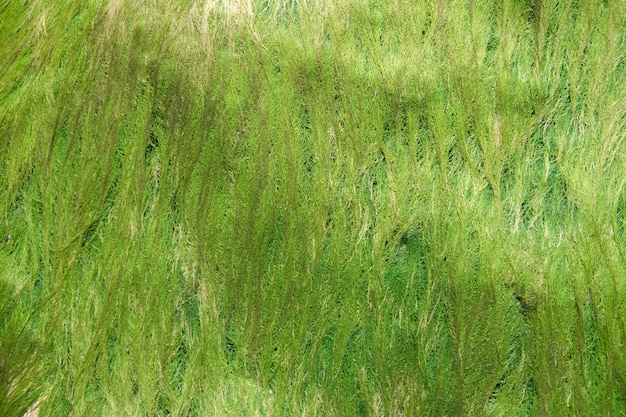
341,208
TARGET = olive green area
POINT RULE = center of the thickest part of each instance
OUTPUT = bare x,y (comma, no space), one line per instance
313,208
